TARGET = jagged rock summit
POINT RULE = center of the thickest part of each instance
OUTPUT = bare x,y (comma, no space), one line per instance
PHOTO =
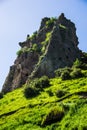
53,46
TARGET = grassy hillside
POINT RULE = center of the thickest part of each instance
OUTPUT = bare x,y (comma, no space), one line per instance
61,106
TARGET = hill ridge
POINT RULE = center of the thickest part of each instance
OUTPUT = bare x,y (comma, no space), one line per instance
53,46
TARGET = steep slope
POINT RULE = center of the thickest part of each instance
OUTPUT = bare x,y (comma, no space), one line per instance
53,46
49,110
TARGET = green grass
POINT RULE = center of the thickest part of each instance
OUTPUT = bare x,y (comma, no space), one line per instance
62,26
45,43
19,113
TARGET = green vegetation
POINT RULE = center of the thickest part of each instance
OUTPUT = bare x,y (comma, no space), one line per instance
65,74
37,85
76,73
59,103
31,91
70,73
62,26
50,22
45,43
56,107
47,104
59,71
77,64
54,115
23,50
60,93
33,36
34,48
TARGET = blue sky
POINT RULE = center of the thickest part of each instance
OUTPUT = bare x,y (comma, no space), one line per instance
21,17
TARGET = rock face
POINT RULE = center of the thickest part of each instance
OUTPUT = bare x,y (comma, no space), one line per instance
53,46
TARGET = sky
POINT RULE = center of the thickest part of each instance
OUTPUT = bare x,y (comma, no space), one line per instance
21,17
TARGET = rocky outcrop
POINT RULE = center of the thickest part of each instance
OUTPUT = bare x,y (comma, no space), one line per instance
61,51
19,72
53,46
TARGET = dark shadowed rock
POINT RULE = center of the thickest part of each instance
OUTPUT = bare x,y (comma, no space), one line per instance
20,71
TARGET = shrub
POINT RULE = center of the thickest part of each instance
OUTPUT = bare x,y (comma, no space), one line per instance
50,92
35,47
42,82
60,93
33,35
56,114
59,72
77,64
84,66
75,128
36,86
76,73
80,63
23,50
19,52
69,73
84,127
50,22
1,95
84,57
30,92
65,75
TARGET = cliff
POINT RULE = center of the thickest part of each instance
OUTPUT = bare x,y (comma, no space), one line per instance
53,46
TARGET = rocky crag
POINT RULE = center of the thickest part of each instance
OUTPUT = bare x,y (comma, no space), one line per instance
53,46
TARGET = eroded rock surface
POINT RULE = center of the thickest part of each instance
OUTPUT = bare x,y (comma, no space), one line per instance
53,46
